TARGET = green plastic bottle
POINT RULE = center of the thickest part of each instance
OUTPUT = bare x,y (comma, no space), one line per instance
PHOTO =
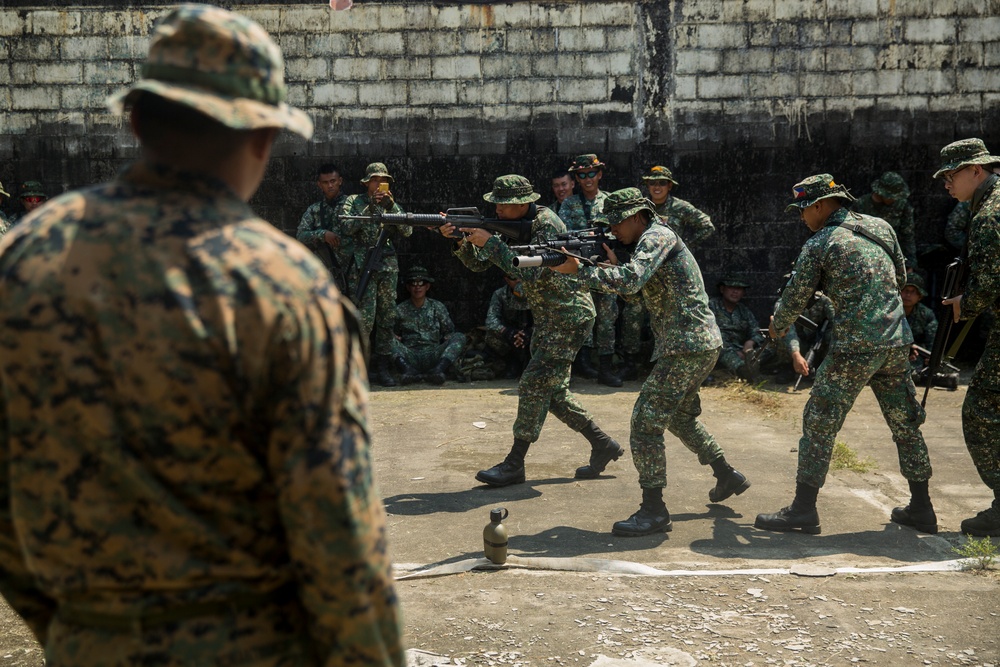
495,537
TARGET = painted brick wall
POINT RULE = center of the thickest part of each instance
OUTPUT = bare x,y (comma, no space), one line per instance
740,97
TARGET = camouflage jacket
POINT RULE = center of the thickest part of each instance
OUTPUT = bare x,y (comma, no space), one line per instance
899,215
159,344
923,324
426,326
820,312
507,309
982,285
956,229
578,212
362,234
667,275
4,224
691,224
736,327
316,221
861,280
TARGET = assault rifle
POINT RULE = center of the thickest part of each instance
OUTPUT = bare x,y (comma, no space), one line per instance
754,356
518,231
813,349
586,245
954,284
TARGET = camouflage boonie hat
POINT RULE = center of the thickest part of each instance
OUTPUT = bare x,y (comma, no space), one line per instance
418,273
585,163
917,281
732,280
962,153
2,191
376,169
659,173
32,189
807,192
891,185
220,64
511,189
624,203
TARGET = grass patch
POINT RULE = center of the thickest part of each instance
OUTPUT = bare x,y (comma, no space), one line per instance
845,458
752,394
977,553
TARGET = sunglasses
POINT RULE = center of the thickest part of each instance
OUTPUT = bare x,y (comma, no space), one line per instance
589,174
32,200
418,283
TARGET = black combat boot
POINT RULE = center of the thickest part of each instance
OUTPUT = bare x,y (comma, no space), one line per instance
800,515
407,373
728,481
382,375
652,517
986,523
603,450
510,470
582,367
606,374
630,369
437,375
919,513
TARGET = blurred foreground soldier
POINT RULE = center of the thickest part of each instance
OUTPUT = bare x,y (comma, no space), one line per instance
427,343
665,272
856,260
889,200
185,476
563,316
738,326
970,174
4,222
31,196
319,228
508,326
691,224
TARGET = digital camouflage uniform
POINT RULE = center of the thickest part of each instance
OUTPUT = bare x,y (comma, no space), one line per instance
899,214
378,305
801,338
426,335
687,344
318,219
923,323
185,473
956,229
870,340
508,310
736,328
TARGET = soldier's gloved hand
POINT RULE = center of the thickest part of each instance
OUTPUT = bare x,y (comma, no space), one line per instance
526,338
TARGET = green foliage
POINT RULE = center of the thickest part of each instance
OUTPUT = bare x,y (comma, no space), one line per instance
845,458
978,553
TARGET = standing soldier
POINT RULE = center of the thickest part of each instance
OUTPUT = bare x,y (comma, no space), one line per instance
857,262
970,175
581,212
185,473
563,315
665,272
889,200
319,228
378,303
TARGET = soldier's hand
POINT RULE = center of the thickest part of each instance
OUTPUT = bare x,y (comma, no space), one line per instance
570,267
612,257
331,239
475,236
772,332
956,306
913,353
448,230
799,363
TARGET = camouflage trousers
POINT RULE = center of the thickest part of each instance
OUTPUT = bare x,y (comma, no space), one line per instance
981,413
377,309
265,636
633,317
839,381
544,384
669,400
602,335
427,357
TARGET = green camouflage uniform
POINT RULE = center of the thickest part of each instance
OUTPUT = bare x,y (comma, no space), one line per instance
870,341
426,335
185,472
801,338
563,315
924,325
378,305
507,310
579,213
318,219
687,345
899,214
956,229
687,221
736,328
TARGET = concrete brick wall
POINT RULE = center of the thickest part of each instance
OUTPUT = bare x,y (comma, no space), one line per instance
740,97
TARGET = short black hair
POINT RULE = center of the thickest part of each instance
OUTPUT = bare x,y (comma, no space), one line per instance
327,168
559,173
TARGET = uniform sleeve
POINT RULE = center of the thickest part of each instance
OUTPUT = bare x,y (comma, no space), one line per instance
800,288
494,314
472,257
982,286
320,459
445,325
628,278
310,232
697,224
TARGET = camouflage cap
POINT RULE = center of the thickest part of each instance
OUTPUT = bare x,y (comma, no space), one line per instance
807,192
511,189
732,280
32,189
891,185
418,273
659,173
220,64
376,169
625,203
585,163
962,153
917,281
2,191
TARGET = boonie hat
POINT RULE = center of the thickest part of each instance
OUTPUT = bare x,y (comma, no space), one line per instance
807,192
962,153
585,163
32,189
624,203
511,189
659,173
917,281
220,64
2,191
376,169
891,185
733,281
418,273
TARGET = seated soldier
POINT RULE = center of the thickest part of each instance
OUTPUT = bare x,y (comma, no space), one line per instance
508,327
924,325
739,327
801,340
426,343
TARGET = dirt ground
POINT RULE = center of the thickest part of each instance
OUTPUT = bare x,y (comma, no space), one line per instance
714,590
